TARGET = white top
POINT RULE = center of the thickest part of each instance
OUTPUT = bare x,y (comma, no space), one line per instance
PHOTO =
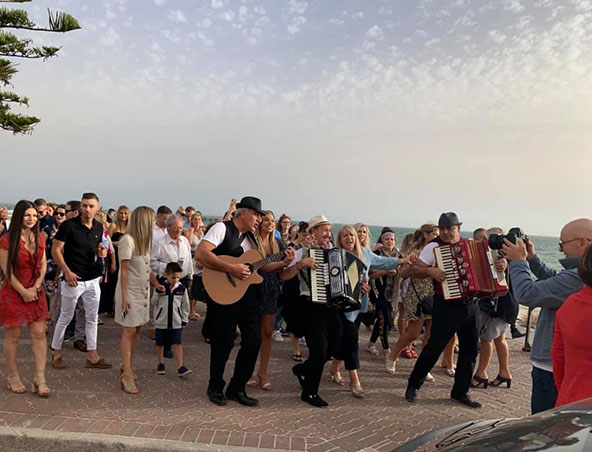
157,234
166,250
427,254
216,234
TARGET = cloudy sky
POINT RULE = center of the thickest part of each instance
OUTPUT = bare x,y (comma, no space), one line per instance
386,112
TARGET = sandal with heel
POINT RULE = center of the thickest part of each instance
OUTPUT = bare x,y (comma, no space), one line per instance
357,390
14,384
500,380
40,387
480,381
337,378
128,384
390,365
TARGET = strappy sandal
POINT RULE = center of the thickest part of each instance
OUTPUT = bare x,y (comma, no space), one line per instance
128,384
478,381
136,377
429,377
499,380
390,365
40,387
298,357
357,390
337,378
253,382
194,316
372,350
14,384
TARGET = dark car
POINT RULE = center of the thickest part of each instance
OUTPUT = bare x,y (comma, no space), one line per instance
566,429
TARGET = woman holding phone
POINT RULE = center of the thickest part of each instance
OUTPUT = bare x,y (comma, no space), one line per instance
132,296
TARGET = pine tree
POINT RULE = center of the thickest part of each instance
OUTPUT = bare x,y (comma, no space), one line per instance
13,47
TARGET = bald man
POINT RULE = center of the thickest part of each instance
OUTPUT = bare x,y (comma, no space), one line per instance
548,293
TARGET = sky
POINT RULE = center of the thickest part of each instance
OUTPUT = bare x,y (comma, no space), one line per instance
375,111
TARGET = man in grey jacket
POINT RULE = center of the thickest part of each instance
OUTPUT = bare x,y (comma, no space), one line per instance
548,292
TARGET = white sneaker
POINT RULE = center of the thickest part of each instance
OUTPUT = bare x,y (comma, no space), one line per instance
277,337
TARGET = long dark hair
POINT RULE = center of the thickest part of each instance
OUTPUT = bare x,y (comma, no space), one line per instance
14,235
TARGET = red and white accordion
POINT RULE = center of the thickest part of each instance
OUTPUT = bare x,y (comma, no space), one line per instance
470,271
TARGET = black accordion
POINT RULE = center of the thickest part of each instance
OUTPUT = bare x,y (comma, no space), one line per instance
337,280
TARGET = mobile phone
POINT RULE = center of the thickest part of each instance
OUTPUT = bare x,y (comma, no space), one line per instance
124,312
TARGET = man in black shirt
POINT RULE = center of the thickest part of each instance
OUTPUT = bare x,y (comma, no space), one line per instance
77,248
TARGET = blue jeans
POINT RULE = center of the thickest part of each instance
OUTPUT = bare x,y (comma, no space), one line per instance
544,393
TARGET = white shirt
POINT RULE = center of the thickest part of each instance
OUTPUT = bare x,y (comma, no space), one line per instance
427,254
166,250
157,234
216,234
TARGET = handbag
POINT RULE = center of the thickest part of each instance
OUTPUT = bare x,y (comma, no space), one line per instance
426,304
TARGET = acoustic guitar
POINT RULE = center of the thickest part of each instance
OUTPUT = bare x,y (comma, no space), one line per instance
224,288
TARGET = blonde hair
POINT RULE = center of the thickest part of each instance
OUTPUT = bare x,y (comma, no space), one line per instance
140,229
101,217
273,244
495,230
119,223
357,246
359,226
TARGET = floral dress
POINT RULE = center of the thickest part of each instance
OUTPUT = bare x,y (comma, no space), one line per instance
424,287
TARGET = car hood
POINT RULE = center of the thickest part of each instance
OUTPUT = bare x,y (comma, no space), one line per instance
565,429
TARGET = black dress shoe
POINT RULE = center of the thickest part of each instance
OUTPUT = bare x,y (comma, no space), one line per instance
297,370
242,398
313,399
467,401
411,394
217,398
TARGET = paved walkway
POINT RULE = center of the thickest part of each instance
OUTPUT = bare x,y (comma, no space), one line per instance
175,409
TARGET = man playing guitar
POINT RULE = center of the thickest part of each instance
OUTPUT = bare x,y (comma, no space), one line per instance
233,238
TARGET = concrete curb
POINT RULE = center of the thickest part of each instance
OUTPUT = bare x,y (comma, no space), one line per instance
38,440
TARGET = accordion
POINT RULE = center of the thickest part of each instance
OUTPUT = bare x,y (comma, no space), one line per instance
470,271
337,280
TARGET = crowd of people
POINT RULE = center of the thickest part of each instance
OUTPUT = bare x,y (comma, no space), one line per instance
61,265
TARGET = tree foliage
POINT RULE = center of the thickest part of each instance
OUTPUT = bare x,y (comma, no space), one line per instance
11,47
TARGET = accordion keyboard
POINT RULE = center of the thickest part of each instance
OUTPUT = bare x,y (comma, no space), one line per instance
445,261
319,277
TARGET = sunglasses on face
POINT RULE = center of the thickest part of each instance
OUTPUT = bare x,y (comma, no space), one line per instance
60,214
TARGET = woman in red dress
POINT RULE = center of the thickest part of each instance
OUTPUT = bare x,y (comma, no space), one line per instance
22,299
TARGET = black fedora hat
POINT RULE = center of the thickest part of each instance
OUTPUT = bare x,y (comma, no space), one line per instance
448,219
250,202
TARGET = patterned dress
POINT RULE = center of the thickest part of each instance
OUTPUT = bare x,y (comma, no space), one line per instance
424,288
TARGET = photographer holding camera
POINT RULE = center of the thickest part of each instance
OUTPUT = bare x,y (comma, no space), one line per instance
548,293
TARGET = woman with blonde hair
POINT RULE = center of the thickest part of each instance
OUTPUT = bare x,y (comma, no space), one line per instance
363,233
271,288
132,296
119,225
347,238
194,234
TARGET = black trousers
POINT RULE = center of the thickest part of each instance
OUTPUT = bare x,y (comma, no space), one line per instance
382,324
323,331
348,349
451,317
222,323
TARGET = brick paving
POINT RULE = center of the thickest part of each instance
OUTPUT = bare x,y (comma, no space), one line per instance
175,409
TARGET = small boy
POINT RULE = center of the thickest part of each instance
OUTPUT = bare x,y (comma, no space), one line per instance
171,313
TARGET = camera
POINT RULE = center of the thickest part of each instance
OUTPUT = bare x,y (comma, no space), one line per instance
496,241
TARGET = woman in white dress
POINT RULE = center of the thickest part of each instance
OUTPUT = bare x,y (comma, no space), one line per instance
132,296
